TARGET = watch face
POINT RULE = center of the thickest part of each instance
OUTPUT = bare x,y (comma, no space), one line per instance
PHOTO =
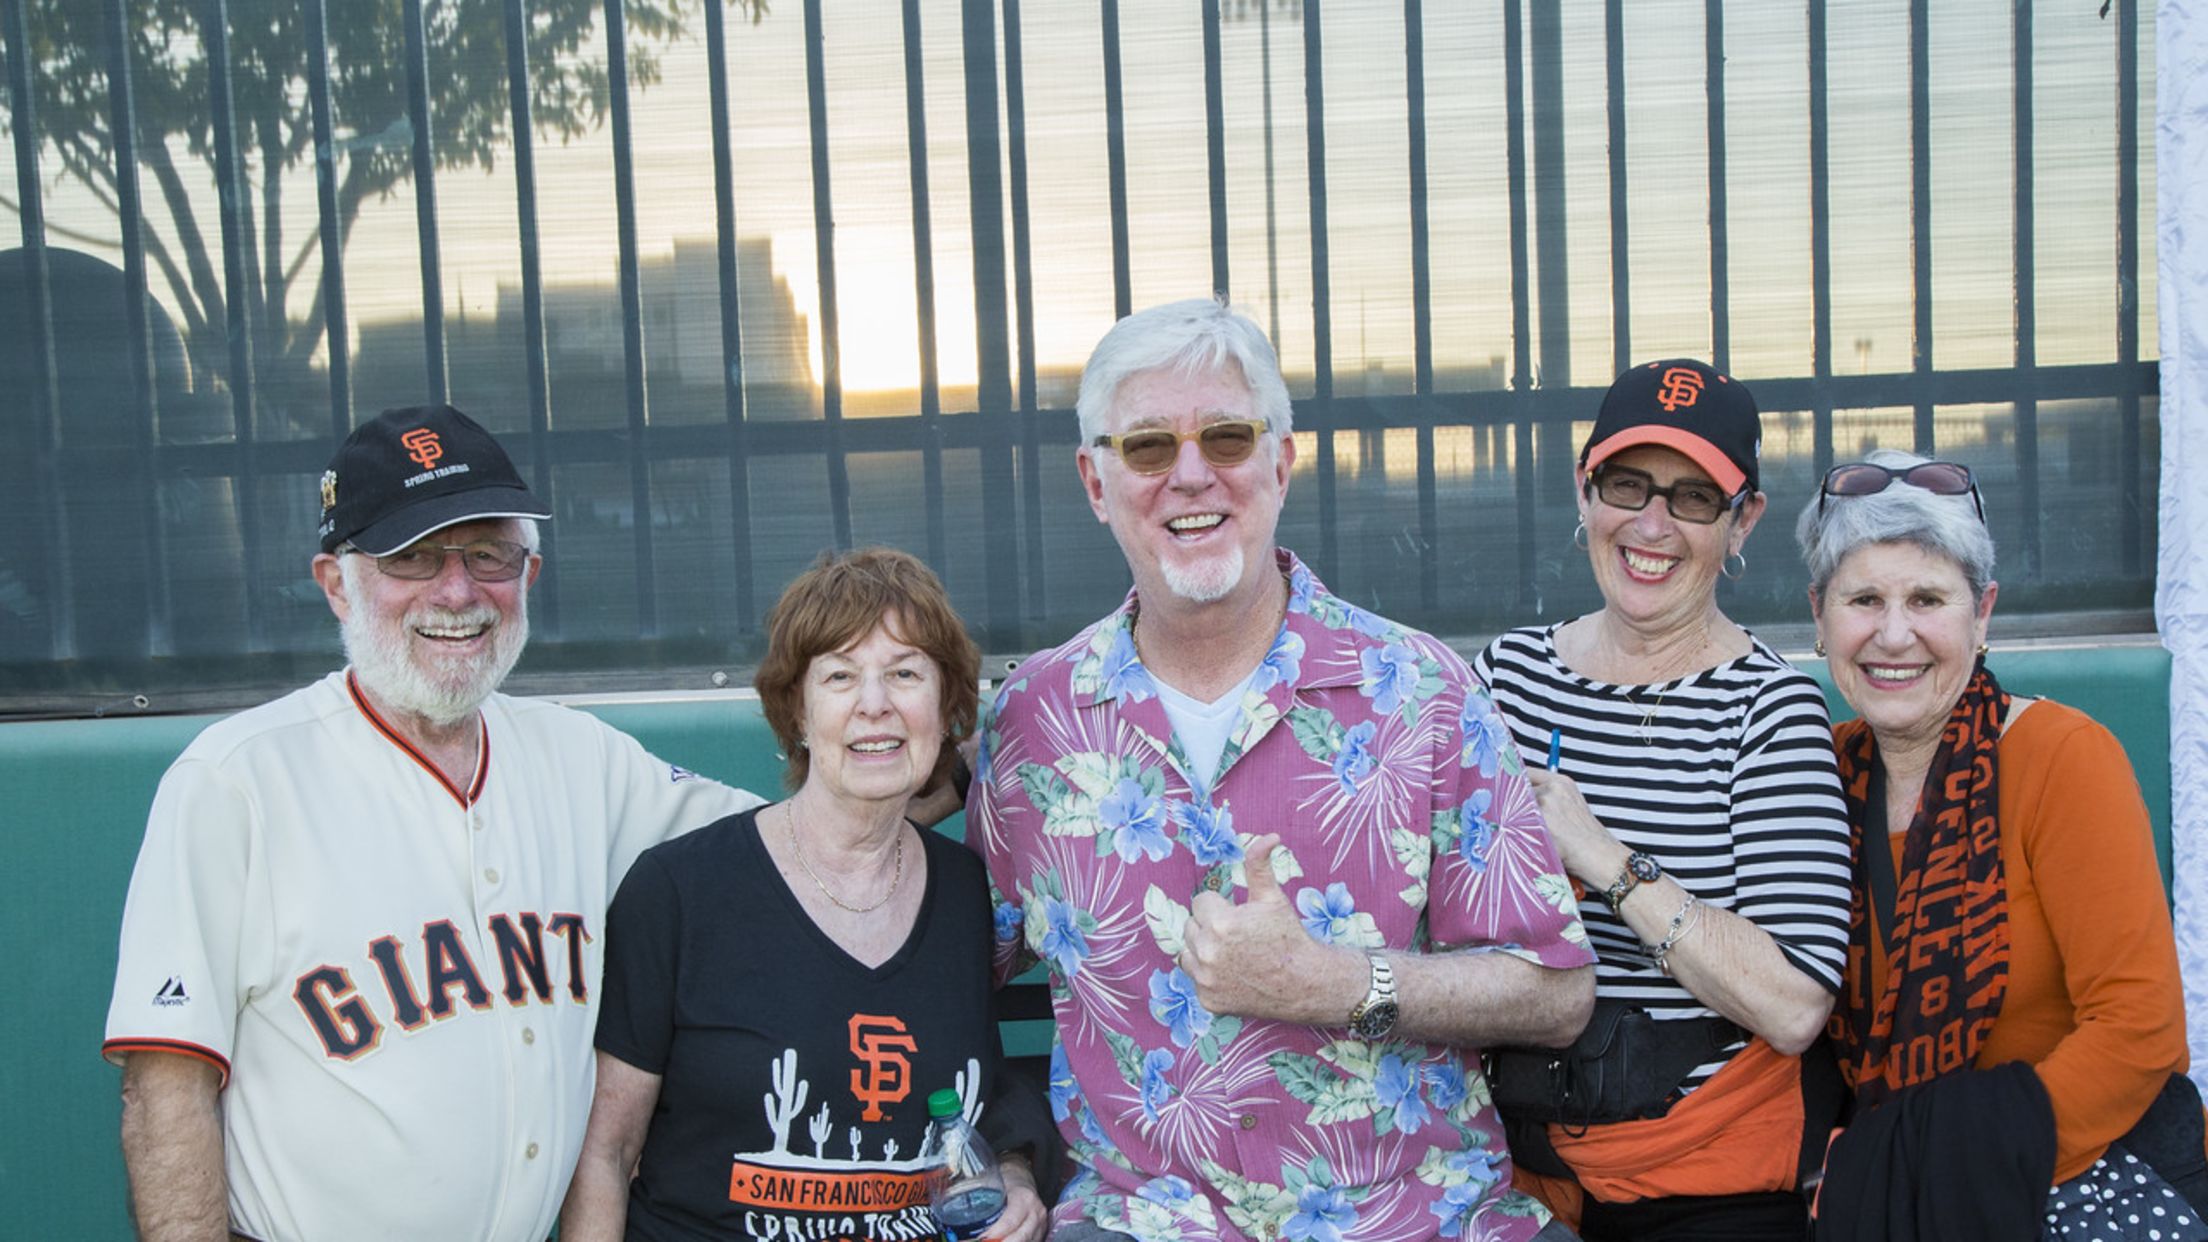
1375,1020
1644,868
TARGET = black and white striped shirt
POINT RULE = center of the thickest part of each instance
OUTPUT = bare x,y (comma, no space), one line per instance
1724,776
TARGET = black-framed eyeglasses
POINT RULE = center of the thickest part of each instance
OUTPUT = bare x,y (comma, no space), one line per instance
1152,450
486,560
1868,478
1689,500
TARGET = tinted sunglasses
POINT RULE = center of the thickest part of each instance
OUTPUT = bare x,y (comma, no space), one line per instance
1153,450
1689,500
1864,478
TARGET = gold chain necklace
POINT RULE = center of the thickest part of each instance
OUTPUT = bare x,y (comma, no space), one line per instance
790,823
1678,667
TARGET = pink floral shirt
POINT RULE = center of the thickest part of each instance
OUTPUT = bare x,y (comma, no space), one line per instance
1407,823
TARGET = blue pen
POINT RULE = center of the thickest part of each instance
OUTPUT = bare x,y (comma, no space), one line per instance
1556,748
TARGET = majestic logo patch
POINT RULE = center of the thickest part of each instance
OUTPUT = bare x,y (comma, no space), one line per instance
423,446
882,1043
171,993
1682,387
329,490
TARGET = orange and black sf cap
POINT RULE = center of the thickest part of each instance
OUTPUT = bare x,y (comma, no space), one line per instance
408,472
1687,406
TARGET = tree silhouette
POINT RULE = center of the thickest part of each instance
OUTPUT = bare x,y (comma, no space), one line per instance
269,62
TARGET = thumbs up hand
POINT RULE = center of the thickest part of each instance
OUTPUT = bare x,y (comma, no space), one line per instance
1255,960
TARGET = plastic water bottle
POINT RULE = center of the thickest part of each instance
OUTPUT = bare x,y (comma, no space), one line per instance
965,1190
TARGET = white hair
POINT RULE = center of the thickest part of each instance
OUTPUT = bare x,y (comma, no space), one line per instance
1946,526
1194,337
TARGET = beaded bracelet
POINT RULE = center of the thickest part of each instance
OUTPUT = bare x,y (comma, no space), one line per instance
1681,923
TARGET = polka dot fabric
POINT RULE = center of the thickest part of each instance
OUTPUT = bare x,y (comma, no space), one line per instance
2120,1199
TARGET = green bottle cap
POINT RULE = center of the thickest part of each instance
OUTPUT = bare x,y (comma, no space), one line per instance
945,1103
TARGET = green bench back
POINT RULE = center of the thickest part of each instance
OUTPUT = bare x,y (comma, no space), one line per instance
76,795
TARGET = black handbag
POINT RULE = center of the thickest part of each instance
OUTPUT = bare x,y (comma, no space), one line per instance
1626,1066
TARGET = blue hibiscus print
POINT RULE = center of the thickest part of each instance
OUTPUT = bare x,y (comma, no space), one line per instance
1008,920
1173,1003
1170,1190
1369,624
1396,1085
1302,588
1322,1213
1485,734
1283,662
1445,1085
1326,915
1477,840
1137,820
1122,673
985,759
1207,831
1458,1200
1064,944
1065,1089
1354,761
1156,1064
1391,676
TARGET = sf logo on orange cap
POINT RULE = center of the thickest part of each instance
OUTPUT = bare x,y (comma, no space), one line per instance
1682,386
423,446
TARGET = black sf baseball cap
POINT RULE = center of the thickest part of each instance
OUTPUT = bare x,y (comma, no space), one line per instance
1686,406
411,471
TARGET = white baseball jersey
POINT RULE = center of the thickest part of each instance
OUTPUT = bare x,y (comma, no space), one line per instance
397,978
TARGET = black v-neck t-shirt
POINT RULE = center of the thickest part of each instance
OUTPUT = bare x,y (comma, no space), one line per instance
793,1079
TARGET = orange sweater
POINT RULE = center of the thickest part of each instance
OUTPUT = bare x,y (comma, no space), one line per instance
2094,1002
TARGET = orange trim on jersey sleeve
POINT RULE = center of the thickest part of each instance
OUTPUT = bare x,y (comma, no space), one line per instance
115,1049
483,746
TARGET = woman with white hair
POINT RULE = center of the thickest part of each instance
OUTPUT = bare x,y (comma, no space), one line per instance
2011,1008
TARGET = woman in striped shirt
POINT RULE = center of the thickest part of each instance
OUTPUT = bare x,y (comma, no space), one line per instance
1695,801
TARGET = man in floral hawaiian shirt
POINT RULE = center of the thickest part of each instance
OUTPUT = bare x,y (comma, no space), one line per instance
1238,818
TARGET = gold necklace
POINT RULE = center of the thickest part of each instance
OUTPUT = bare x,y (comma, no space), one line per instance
790,823
1648,713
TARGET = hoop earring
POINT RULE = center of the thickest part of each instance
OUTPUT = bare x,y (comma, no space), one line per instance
1725,566
1579,535
1984,650
1818,647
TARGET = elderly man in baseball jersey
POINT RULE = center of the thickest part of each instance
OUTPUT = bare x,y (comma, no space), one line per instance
1277,851
359,962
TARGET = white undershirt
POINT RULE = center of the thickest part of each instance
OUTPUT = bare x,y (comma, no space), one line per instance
1202,728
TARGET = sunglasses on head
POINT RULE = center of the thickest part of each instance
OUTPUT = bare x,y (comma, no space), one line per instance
1153,450
1865,478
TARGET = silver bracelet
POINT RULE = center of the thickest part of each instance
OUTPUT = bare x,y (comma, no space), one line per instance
1690,913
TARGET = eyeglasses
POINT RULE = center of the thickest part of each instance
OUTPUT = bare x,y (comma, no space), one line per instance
1866,478
1153,450
486,560
1689,500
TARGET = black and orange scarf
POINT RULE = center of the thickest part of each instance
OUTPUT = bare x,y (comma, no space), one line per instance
1947,944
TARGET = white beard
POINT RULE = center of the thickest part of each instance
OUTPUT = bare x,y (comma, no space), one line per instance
1207,581
446,692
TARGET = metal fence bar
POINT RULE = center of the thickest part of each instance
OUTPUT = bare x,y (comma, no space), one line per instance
1422,307
923,283
632,318
1820,242
1521,294
1920,213
45,405
1322,305
425,200
2025,268
536,367
1115,162
1621,250
1023,310
337,331
1551,242
824,258
1215,146
237,296
735,423
1713,62
1272,231
130,217
993,385
2131,502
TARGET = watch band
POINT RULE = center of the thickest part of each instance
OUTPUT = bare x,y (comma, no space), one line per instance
1639,869
1375,1016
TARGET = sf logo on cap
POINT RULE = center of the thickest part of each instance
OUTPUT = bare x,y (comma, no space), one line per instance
1682,386
423,446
